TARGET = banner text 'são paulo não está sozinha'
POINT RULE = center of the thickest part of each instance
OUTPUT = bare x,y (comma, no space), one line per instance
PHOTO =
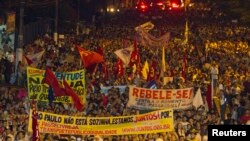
157,121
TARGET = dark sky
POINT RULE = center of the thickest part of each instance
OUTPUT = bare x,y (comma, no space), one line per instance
35,9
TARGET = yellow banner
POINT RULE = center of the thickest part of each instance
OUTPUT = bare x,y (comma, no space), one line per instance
39,91
153,122
11,18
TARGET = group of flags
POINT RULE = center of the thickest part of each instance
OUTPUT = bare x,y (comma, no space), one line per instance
60,90
127,57
130,56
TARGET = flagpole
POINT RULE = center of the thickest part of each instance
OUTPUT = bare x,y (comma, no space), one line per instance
212,92
163,62
186,32
186,24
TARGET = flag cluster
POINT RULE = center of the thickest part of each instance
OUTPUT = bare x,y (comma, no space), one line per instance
58,90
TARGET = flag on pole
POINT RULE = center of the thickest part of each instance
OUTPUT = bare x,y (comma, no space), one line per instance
52,81
135,59
135,55
89,57
198,101
152,70
35,58
125,54
119,68
186,32
163,60
35,135
70,92
27,61
105,70
217,104
145,70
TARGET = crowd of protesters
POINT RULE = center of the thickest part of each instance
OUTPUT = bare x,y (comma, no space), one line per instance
211,46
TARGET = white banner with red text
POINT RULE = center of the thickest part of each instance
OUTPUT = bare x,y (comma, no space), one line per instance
143,98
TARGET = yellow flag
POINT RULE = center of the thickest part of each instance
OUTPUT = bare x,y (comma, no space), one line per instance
134,68
145,70
163,60
217,104
186,33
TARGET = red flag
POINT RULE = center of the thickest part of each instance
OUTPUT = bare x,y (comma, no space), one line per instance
135,56
103,65
52,81
74,96
90,57
119,68
29,62
91,68
35,135
209,96
138,65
